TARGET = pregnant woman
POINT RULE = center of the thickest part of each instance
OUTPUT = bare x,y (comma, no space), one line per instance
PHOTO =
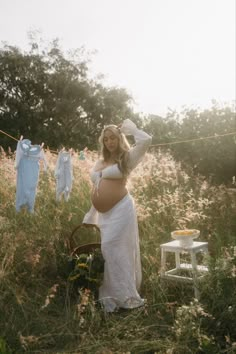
113,211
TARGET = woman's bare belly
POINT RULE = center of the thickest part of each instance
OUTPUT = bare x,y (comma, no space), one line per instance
108,194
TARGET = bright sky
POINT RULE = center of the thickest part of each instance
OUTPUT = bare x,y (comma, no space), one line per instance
166,53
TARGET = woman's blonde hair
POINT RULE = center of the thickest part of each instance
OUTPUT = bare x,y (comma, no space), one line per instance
123,148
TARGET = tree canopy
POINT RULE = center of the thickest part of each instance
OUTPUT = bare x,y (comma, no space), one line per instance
48,97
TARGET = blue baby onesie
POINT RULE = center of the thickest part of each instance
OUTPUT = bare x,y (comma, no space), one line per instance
64,175
81,155
27,165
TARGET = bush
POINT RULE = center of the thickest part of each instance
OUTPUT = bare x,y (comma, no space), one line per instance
213,158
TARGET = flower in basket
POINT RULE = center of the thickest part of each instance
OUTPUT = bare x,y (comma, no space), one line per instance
87,269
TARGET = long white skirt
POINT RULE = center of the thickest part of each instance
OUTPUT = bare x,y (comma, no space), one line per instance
120,249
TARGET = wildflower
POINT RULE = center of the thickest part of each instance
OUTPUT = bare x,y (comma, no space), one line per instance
87,270
51,294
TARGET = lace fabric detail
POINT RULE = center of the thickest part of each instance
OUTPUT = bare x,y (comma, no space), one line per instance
111,304
120,249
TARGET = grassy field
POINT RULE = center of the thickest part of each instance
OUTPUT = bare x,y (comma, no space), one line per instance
41,312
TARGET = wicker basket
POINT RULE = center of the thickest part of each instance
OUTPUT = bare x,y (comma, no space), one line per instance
79,250
74,239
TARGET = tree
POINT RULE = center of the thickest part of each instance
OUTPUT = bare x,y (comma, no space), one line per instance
214,158
48,97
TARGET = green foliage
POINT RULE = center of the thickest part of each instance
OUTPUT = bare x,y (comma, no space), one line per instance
4,349
219,294
40,313
213,158
87,270
189,330
47,95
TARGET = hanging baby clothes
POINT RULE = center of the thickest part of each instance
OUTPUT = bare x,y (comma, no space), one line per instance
64,175
27,166
81,155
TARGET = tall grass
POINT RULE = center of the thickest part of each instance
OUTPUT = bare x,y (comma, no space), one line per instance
41,313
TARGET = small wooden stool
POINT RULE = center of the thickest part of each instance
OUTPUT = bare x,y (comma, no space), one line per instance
195,271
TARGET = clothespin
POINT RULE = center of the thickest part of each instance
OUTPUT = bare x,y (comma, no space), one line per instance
41,146
21,137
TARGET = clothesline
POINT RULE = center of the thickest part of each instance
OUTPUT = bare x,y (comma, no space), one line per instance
196,139
12,137
1,131
161,144
27,165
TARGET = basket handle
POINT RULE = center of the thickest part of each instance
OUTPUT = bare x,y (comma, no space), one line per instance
71,241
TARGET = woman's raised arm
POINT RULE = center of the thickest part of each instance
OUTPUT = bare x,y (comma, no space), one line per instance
142,142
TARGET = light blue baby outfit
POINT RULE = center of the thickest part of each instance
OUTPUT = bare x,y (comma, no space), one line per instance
81,155
64,175
27,166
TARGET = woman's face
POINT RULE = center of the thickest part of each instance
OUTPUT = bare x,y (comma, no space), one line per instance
111,141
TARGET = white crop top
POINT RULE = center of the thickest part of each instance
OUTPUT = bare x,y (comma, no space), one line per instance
136,153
